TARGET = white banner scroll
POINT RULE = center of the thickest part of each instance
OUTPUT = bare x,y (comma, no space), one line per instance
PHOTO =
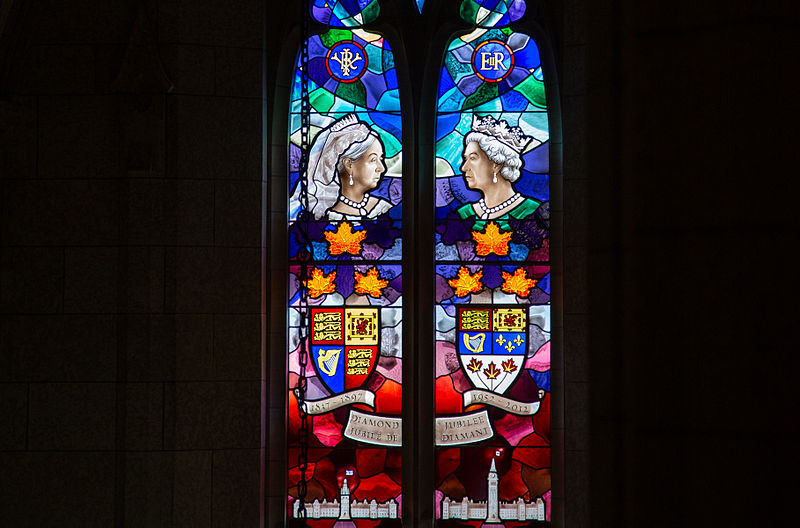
324,405
501,402
463,429
374,429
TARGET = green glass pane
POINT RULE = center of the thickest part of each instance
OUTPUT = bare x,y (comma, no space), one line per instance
533,90
371,12
374,59
486,92
335,35
353,92
321,100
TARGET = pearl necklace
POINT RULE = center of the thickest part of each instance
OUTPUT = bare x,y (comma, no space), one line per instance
360,206
491,210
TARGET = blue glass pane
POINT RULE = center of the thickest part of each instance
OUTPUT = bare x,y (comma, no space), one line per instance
492,13
345,13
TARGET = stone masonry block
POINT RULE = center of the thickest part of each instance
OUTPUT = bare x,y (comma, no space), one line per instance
575,280
60,212
226,280
214,138
238,72
205,415
14,410
237,347
79,137
149,480
71,416
144,409
190,68
169,347
18,130
144,279
237,213
57,489
236,485
90,280
31,280
192,501
61,347
237,23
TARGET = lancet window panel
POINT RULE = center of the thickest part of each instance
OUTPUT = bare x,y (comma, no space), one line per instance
492,276
345,284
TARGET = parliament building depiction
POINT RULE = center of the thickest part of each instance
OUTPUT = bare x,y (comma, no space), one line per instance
343,509
492,510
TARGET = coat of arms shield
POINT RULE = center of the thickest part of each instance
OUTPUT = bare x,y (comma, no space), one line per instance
491,344
344,345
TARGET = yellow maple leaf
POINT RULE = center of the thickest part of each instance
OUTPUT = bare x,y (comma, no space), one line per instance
465,283
491,241
518,283
319,283
345,240
371,283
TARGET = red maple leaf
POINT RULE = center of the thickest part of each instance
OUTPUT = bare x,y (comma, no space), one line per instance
475,365
509,366
491,371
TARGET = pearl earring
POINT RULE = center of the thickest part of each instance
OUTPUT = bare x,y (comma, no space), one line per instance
494,179
351,179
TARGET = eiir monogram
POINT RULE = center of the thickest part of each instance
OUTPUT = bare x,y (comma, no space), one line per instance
492,61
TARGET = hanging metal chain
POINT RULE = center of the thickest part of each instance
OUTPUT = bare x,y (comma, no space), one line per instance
303,432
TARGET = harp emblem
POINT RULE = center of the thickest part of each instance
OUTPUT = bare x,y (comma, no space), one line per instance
474,343
328,359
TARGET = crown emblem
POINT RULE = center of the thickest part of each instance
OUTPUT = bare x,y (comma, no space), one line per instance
510,136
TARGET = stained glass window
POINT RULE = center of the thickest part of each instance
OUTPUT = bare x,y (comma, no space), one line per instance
492,266
346,275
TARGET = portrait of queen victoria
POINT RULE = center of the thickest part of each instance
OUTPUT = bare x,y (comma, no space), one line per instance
345,162
491,164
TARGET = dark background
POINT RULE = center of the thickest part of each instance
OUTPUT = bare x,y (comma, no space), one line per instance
131,171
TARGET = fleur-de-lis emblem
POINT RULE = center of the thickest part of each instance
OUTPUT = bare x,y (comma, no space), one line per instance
346,60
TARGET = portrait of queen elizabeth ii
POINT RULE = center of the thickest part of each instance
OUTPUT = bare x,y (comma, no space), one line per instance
491,165
345,162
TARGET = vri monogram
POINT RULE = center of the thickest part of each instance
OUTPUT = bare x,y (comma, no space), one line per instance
346,60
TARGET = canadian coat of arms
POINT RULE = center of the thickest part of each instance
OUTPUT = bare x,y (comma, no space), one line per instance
344,345
492,342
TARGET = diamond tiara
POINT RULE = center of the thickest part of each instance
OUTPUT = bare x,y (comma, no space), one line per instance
346,121
511,136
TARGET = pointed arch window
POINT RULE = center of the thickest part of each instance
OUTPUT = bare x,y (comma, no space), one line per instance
490,301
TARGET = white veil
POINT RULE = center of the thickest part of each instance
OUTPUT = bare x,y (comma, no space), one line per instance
322,175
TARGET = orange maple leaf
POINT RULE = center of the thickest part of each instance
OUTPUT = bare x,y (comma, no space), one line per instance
509,366
371,283
491,371
345,240
466,283
491,241
320,283
518,283
474,365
